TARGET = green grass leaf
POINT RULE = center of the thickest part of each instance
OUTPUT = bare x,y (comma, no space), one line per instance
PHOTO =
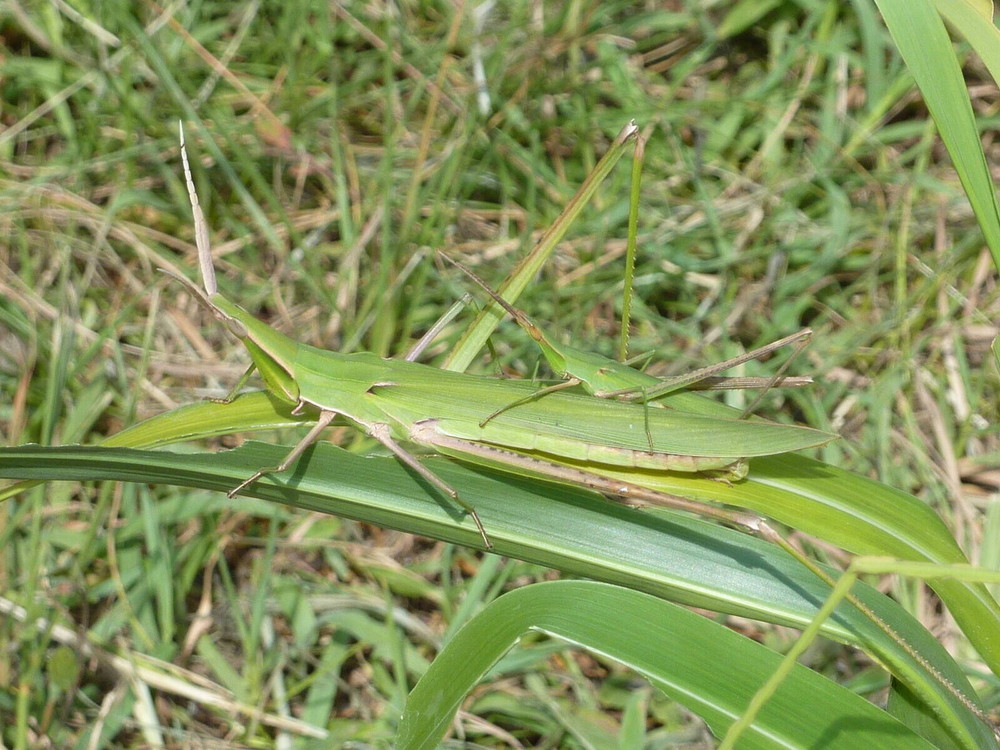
666,554
702,664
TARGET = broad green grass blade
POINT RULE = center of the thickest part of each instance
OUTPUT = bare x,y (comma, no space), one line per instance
686,560
705,666
556,525
974,22
923,42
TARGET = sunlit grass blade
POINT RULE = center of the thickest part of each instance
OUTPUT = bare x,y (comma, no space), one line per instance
683,559
923,42
708,668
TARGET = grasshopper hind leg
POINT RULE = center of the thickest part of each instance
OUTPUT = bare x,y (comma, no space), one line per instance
381,433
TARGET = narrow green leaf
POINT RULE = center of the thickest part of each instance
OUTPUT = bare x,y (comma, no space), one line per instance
707,667
684,559
923,42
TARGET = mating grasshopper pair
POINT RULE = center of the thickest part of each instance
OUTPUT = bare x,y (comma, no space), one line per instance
569,437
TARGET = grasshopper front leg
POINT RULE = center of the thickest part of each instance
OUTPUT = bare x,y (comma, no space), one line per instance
325,417
381,433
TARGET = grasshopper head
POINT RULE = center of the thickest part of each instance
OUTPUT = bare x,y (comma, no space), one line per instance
235,326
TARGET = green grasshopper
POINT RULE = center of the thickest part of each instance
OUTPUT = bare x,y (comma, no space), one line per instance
567,437
607,378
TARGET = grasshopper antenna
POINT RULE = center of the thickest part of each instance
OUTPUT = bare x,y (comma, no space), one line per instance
516,314
200,227
204,253
801,340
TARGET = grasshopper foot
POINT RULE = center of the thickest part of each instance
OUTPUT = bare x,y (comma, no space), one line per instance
246,483
482,529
